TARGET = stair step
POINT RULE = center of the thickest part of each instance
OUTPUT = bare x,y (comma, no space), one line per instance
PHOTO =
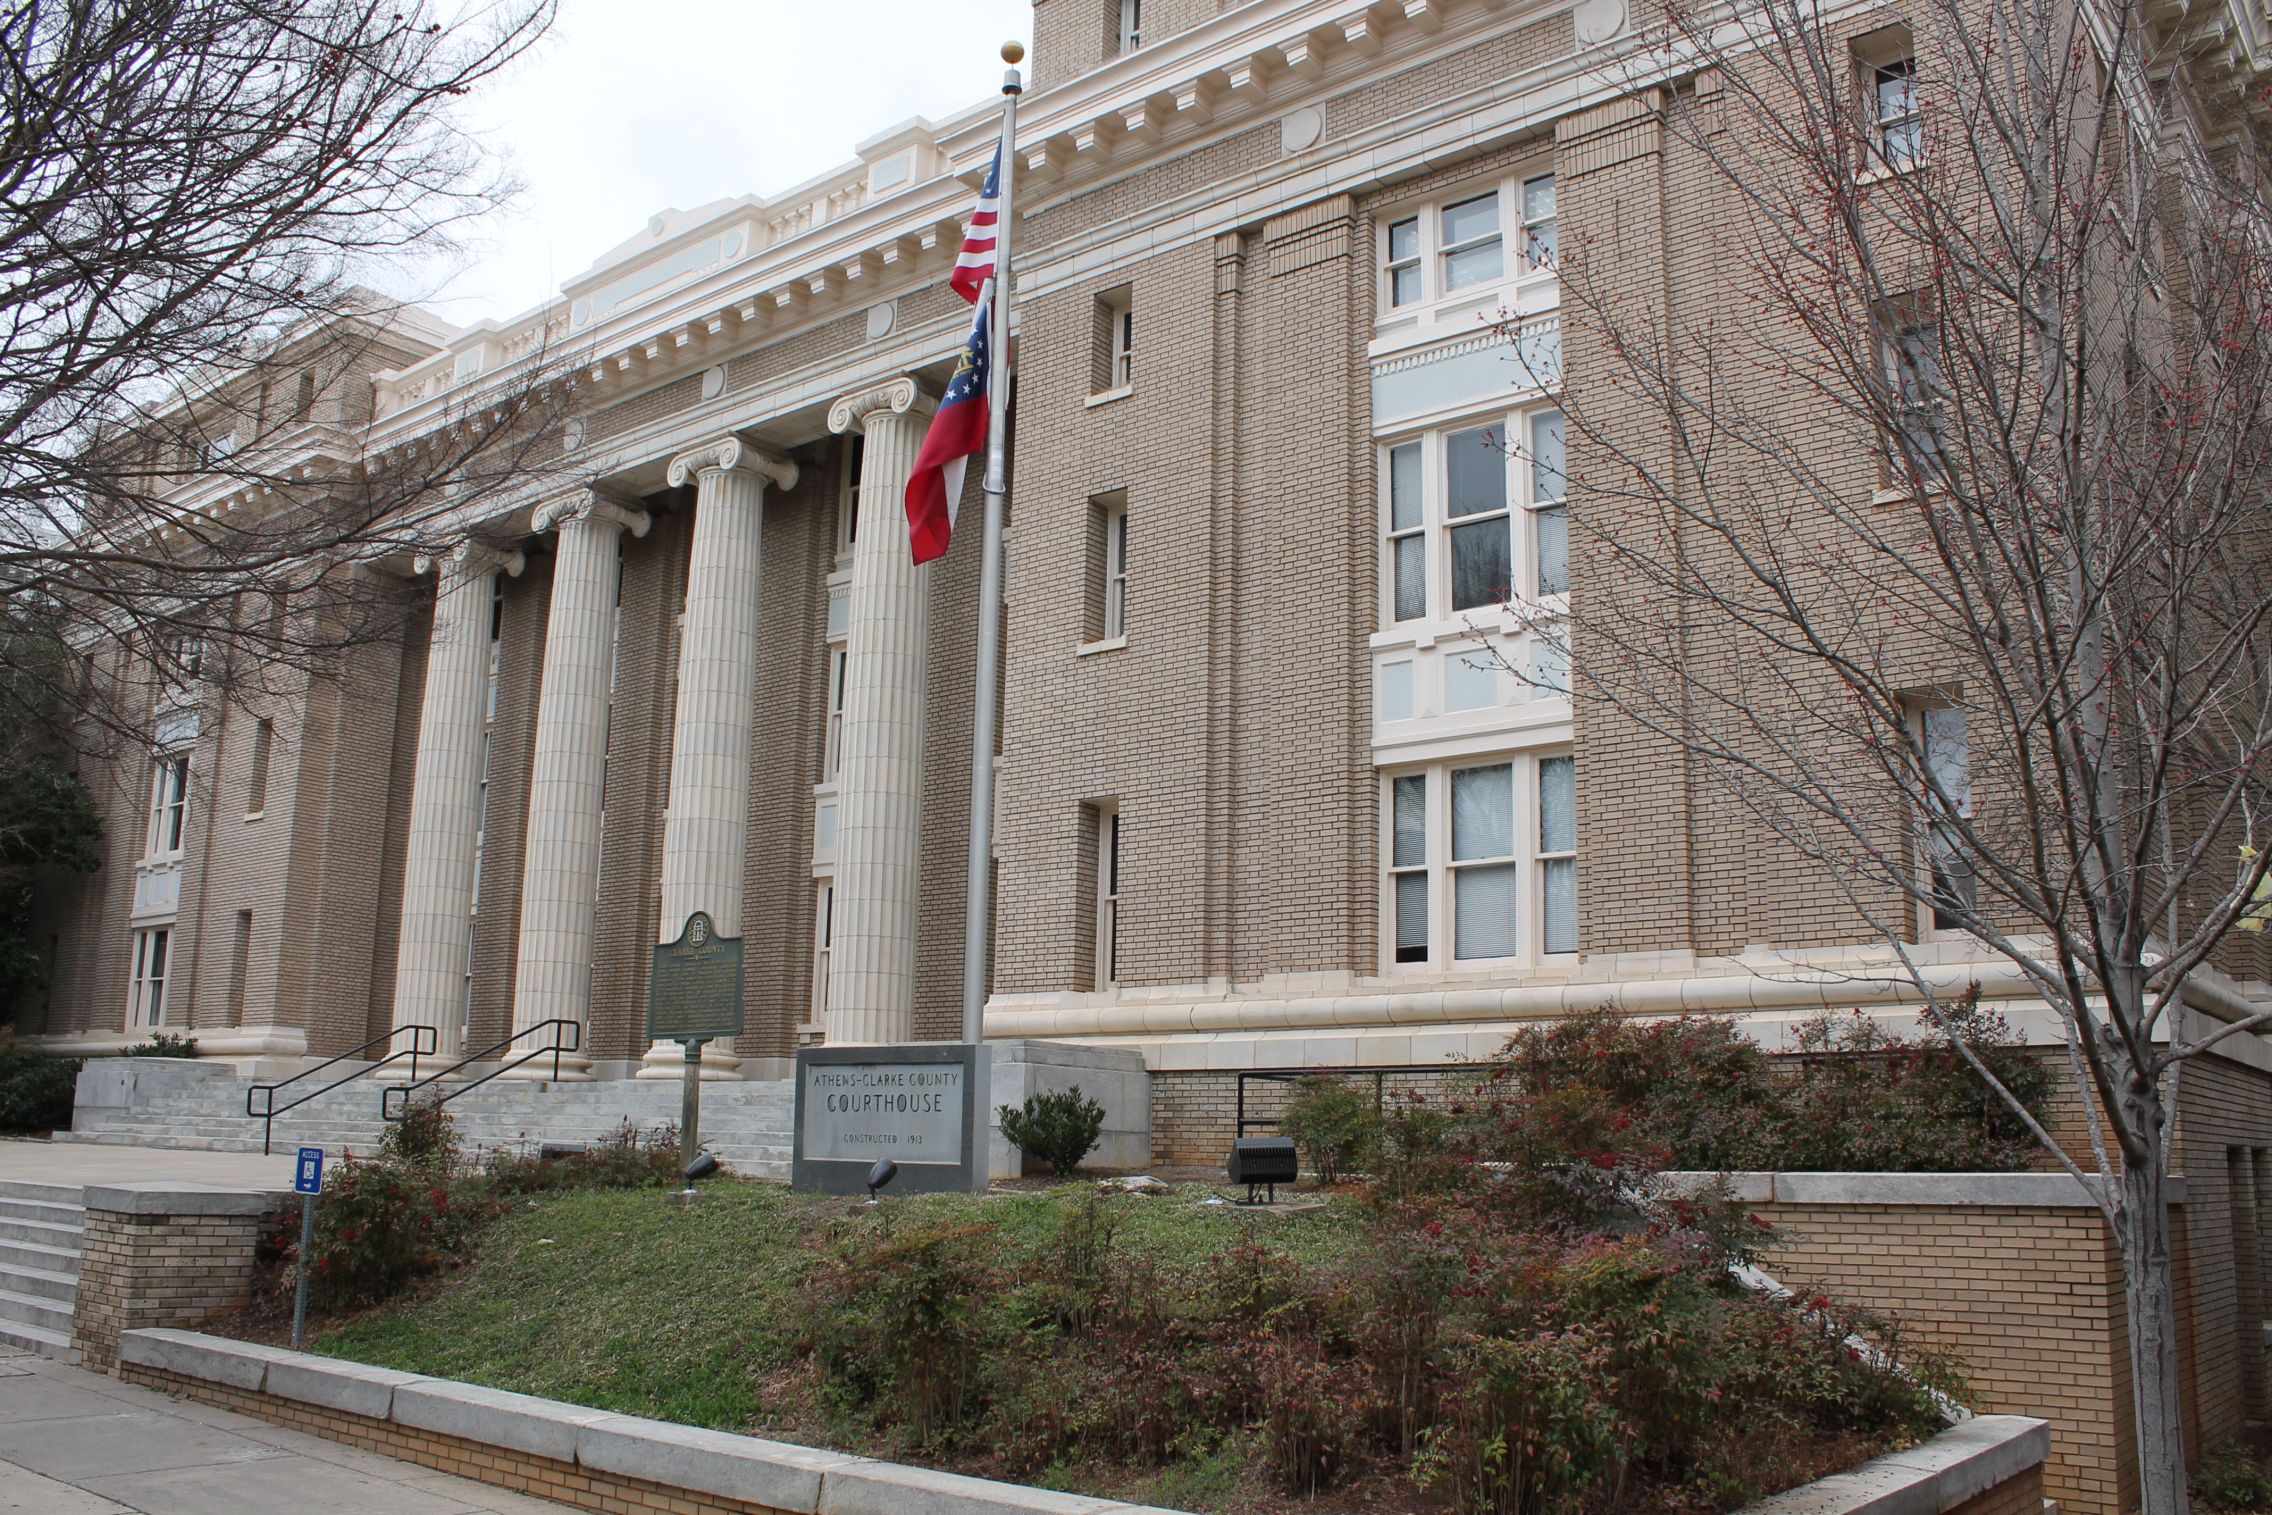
14,1190
43,1340
47,1210
40,1257
38,1283
35,1310
44,1233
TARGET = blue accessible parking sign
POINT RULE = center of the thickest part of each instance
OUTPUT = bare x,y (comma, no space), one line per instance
308,1179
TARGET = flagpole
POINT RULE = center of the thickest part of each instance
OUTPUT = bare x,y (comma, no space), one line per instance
979,890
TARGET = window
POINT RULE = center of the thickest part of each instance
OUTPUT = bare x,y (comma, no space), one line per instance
188,660
1114,369
256,779
1456,539
212,452
1105,612
169,806
146,982
1131,32
824,935
1897,130
832,742
1948,798
1912,351
1444,249
1107,972
1469,236
304,397
1482,862
848,504
1540,240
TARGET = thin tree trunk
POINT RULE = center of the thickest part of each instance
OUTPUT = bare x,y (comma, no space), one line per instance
2149,1295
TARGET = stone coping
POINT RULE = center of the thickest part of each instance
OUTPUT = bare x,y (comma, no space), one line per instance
773,1474
179,1197
2019,1191
1961,1463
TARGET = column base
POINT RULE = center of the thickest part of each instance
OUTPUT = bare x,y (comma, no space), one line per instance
668,1060
575,1068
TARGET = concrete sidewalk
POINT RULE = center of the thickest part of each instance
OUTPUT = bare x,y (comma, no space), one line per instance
36,1160
75,1443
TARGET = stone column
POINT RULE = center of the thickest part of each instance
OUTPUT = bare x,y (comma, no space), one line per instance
708,819
871,971
567,775
445,799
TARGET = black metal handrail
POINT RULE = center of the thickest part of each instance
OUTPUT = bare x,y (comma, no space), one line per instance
422,1042
392,1109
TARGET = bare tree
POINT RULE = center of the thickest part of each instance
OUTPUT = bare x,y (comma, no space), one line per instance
1937,548
192,195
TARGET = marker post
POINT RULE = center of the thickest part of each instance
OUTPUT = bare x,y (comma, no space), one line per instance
307,1181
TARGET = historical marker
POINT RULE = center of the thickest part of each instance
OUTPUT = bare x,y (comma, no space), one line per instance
695,996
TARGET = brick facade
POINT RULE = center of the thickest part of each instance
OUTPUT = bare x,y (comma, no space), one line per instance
142,1266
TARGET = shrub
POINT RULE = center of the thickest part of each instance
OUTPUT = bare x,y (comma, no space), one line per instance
425,1138
162,1044
1058,1128
2229,1479
627,1158
380,1225
36,1090
904,1325
1312,1422
1336,1123
1864,1100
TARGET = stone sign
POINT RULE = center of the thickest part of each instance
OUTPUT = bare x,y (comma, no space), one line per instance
696,990
919,1104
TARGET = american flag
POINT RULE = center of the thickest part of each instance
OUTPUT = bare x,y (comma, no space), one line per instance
975,264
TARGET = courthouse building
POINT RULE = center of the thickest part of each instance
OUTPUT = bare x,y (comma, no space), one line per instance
1287,437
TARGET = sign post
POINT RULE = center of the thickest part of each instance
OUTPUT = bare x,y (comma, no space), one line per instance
307,1182
695,996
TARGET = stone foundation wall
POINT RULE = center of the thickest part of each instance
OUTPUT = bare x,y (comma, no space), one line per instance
161,1255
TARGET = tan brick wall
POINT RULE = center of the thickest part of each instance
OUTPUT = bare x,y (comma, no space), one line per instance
2014,1496
141,1271
538,1477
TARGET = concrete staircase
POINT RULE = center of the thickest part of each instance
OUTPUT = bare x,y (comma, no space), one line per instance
189,1105
39,1265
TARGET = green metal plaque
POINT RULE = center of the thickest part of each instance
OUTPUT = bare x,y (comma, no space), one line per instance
696,991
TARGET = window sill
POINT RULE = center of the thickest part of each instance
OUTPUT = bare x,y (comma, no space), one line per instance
255,815
1880,171
1109,644
1901,494
1108,396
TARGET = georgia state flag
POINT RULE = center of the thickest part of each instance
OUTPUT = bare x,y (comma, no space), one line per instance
934,489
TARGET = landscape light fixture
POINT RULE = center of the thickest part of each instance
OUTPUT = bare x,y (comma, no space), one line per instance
881,1174
1263,1162
702,1167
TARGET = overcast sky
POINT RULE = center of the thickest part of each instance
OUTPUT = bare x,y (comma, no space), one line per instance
631,106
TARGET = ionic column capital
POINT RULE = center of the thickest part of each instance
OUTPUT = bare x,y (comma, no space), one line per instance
470,558
896,396
730,454
591,505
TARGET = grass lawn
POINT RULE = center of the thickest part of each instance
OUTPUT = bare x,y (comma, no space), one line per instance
615,1300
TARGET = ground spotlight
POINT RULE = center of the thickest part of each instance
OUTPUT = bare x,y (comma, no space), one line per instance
881,1174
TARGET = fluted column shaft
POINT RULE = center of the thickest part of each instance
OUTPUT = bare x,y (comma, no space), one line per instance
706,829
445,801
871,980
568,774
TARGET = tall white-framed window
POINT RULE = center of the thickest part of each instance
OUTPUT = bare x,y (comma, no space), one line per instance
1475,515
1124,343
146,978
848,500
1481,863
1897,127
1459,241
1911,350
1115,586
1107,972
824,938
1941,736
169,806
1130,34
188,660
832,740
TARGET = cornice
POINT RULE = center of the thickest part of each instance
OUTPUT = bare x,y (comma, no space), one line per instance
898,396
471,558
730,454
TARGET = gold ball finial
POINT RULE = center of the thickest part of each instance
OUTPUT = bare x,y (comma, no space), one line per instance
1013,52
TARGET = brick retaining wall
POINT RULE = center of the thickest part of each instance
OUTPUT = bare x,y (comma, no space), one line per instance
162,1255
